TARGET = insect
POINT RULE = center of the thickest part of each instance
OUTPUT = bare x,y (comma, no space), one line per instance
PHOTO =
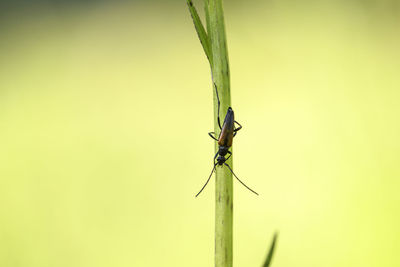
225,138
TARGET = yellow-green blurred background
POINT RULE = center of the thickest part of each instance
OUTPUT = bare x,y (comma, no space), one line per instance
104,112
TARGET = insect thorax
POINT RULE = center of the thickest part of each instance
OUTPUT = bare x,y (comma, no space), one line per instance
223,150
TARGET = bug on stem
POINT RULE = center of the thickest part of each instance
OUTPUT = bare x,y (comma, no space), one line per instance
225,138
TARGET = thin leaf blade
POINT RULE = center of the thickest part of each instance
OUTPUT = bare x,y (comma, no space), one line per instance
201,32
271,251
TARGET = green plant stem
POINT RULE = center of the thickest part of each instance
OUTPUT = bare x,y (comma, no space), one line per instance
223,182
214,46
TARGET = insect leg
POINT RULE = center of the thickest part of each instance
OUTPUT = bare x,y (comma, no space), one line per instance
239,180
216,154
237,129
213,137
219,122
207,179
230,154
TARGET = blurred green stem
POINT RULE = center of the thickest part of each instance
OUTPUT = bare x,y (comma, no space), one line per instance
214,45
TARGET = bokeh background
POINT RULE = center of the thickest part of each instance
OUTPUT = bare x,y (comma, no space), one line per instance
105,108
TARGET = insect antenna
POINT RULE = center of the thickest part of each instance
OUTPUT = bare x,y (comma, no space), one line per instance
207,179
239,180
216,90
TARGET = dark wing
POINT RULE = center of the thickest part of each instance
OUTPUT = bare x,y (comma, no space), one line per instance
226,135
